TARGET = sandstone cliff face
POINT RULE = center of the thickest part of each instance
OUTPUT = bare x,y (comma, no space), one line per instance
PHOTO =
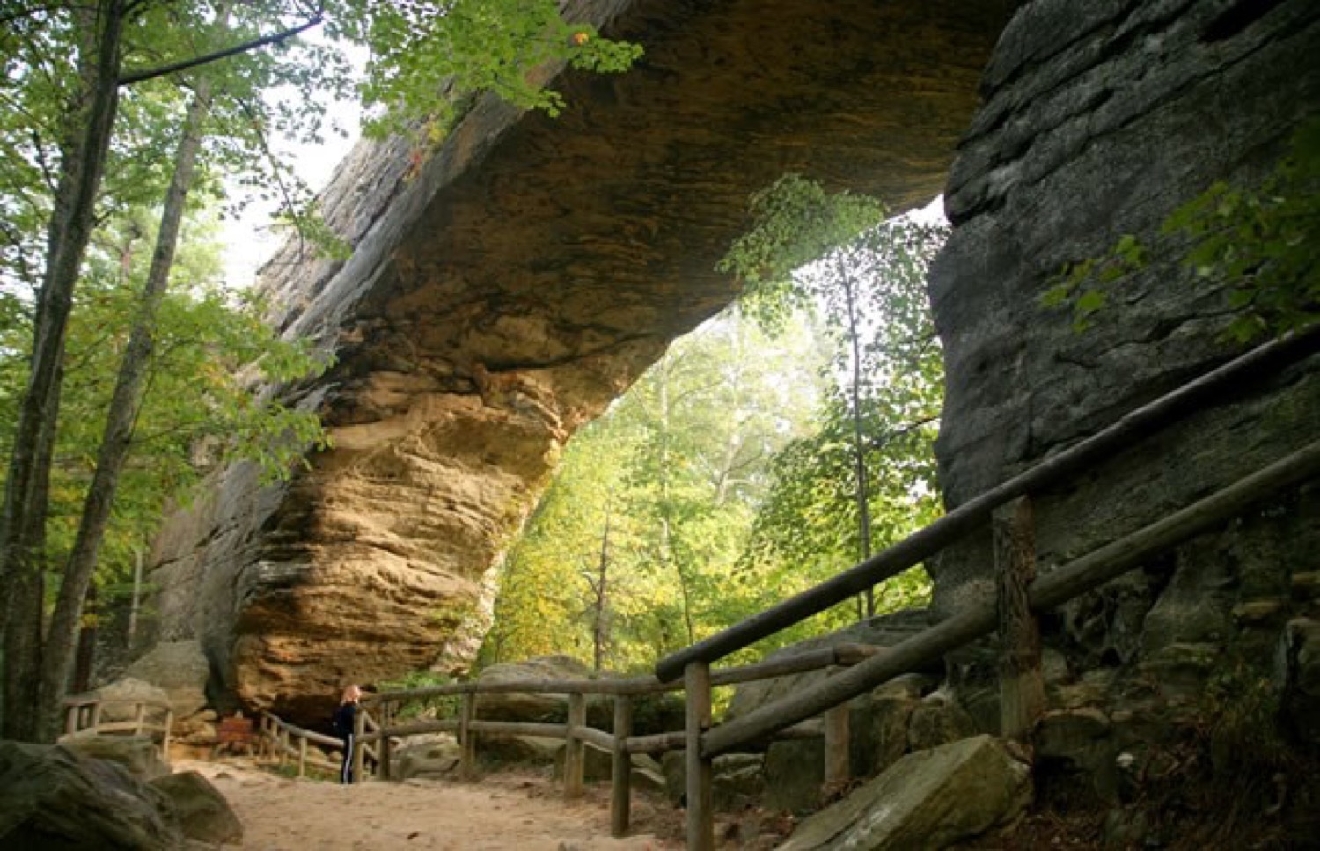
1100,119
504,294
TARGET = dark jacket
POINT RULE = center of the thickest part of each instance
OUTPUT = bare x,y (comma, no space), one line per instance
345,716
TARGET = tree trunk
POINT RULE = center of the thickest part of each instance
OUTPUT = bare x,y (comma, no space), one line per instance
124,407
599,632
22,523
863,487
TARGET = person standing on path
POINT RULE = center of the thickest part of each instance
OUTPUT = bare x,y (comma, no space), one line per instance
345,724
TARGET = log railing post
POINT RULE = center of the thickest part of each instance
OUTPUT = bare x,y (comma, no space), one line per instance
836,746
71,719
302,756
573,756
467,738
621,767
700,799
359,746
1021,681
96,715
165,737
139,718
383,769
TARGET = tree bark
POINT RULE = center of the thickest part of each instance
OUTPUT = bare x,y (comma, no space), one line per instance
124,407
22,523
863,485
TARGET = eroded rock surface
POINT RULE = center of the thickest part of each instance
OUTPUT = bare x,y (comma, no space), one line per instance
51,797
1100,120
927,800
503,294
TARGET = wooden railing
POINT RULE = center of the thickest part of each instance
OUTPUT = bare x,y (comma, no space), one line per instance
382,727
282,741
1020,598
858,669
83,718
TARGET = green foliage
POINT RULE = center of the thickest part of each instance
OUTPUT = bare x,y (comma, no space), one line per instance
796,223
435,706
421,49
199,408
1261,244
865,477
667,484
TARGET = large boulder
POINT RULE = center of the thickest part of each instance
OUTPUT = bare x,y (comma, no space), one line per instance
180,669
881,631
737,779
652,713
545,708
119,699
203,812
51,797
428,756
925,801
137,754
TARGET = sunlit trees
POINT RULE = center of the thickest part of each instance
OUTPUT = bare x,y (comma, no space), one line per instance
95,122
662,490
865,478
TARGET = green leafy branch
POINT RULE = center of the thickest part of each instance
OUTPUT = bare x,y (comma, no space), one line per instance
1263,244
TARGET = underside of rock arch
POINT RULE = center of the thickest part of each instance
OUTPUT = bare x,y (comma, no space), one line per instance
504,290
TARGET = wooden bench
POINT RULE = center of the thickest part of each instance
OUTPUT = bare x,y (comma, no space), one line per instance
233,733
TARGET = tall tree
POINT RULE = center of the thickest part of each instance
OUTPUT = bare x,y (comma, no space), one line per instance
159,37
676,469
36,669
84,142
831,255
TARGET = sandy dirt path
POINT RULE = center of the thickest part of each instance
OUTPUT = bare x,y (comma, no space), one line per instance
504,811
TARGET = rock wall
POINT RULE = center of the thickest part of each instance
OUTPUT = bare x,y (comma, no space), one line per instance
1100,118
503,293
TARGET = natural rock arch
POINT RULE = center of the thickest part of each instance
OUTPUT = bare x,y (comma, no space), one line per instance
504,293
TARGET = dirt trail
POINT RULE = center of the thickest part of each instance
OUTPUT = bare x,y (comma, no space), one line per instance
505,811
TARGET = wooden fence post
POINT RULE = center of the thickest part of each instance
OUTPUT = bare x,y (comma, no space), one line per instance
837,769
573,756
700,800
302,755
467,738
165,737
1021,681
96,715
621,767
139,718
383,749
359,747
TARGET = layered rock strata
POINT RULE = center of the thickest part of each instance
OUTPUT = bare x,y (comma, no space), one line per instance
1100,120
501,293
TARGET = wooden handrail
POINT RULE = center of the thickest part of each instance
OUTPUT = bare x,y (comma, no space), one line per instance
811,660
924,543
1048,591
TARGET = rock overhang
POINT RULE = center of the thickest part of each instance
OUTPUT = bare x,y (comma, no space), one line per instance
506,291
